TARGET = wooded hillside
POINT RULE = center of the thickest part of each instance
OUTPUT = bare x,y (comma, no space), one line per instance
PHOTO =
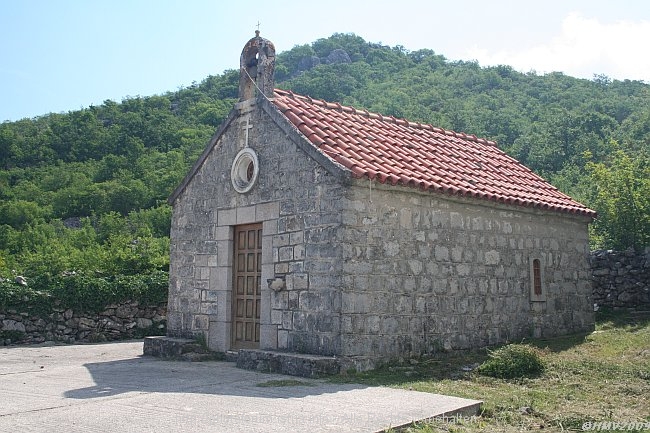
85,191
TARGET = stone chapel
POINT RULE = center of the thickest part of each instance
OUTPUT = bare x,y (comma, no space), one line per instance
315,228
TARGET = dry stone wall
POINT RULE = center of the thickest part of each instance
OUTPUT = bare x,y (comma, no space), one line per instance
116,322
621,279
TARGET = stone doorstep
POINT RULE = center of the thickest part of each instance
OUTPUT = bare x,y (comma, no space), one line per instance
165,347
292,364
289,363
176,348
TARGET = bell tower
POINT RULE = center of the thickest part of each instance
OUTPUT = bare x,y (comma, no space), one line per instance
256,67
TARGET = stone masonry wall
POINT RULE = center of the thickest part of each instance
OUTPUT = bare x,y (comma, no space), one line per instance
296,200
621,279
424,272
116,322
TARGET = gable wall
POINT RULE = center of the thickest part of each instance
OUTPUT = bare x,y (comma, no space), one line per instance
295,199
424,273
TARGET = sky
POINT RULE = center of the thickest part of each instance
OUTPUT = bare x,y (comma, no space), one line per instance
64,55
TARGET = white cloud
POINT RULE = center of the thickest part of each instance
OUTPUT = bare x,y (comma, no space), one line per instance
584,47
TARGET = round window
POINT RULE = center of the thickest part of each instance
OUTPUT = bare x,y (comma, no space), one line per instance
244,170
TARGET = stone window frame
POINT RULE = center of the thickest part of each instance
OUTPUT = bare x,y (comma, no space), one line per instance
244,171
537,285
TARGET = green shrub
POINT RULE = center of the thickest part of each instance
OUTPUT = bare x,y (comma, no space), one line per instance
84,291
512,361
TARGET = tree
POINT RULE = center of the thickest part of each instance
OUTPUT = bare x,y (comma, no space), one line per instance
621,197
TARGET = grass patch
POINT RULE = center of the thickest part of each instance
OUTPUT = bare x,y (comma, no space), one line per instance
512,361
283,382
603,376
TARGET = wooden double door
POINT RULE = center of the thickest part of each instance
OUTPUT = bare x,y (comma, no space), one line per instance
247,279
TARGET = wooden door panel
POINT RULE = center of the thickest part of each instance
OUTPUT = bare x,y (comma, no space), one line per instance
247,286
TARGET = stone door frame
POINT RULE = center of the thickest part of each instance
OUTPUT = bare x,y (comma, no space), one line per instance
220,326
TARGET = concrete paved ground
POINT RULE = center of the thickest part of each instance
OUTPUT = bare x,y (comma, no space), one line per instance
111,387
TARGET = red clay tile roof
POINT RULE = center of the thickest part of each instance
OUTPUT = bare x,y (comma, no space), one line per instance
397,151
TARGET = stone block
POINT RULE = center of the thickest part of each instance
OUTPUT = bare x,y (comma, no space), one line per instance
220,278
285,254
457,254
267,211
415,267
202,272
281,240
200,322
287,320
269,227
13,325
283,340
299,252
299,320
174,320
441,253
201,260
165,347
290,223
209,296
219,336
276,317
279,300
297,267
372,324
294,298
406,218
294,364
224,249
209,308
297,281
265,305
391,248
456,220
281,268
223,233
227,217
268,272
224,305
354,302
296,237
246,215
267,249
268,337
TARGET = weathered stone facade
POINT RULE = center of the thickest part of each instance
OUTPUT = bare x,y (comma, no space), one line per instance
298,203
422,273
368,269
358,269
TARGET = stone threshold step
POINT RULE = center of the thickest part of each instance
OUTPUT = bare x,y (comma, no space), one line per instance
176,348
289,363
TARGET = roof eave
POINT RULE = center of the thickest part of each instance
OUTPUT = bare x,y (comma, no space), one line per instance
337,170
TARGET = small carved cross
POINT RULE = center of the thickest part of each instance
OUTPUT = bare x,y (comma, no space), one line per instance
258,26
246,128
